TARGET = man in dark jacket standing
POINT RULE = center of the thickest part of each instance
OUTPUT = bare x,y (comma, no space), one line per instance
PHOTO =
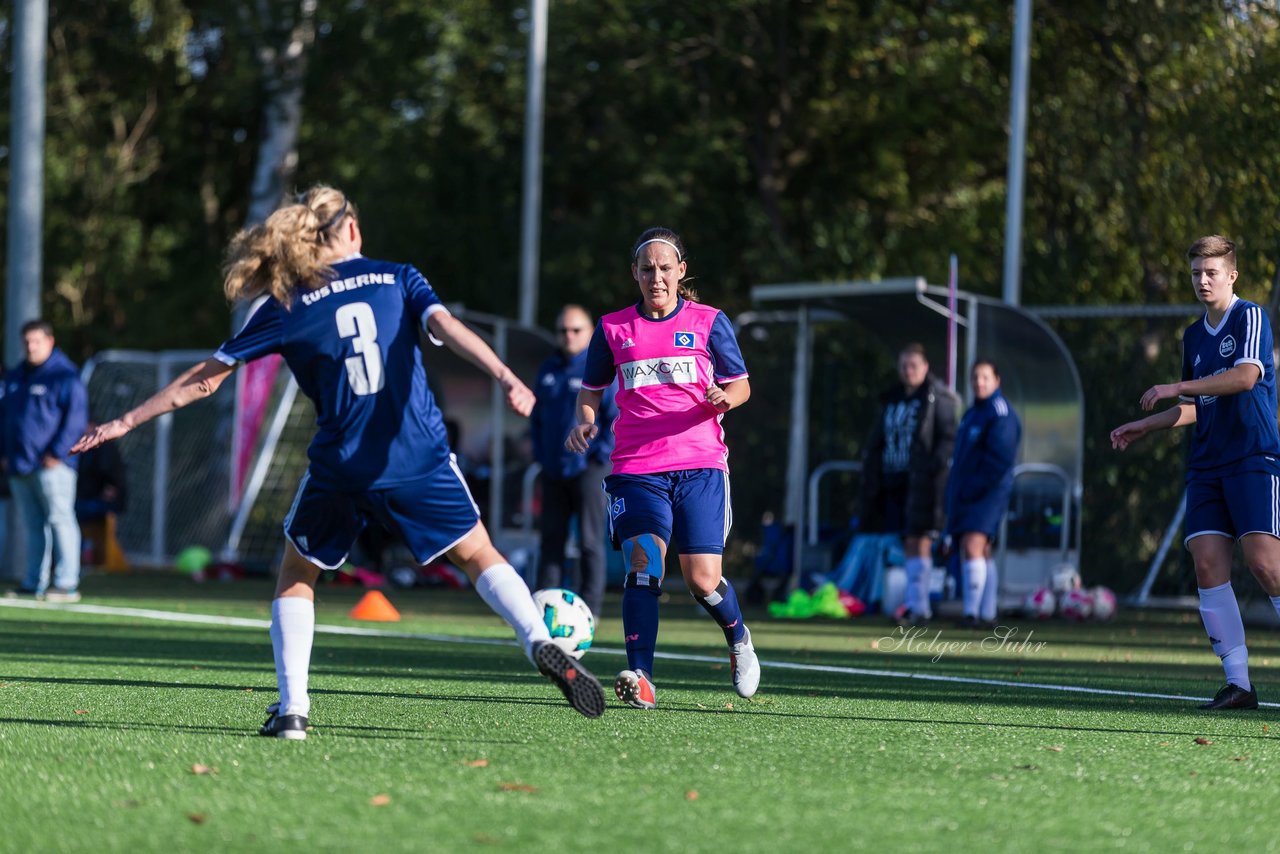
46,408
571,482
904,471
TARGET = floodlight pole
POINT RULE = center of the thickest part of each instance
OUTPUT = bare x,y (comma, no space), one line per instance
531,198
26,170
1017,151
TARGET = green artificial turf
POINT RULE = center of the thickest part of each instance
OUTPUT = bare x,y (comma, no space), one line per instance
129,733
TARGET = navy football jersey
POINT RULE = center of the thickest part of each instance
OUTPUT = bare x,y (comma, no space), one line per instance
1235,432
352,345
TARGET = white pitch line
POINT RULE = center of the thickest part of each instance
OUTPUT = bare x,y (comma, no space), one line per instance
244,622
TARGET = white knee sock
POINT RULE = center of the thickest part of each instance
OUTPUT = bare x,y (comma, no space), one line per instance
975,579
293,625
1221,615
989,603
503,590
919,574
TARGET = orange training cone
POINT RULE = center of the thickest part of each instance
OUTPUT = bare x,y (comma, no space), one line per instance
374,606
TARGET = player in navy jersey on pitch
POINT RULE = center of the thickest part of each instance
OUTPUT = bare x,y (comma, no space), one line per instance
348,327
1228,390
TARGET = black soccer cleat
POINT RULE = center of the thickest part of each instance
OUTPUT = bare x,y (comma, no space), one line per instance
905,618
1232,697
578,685
975,624
292,727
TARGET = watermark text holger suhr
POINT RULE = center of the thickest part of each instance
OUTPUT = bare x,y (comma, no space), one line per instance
1003,639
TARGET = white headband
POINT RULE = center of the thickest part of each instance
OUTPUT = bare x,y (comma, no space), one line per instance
658,240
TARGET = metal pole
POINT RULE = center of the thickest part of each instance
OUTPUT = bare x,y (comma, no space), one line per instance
160,474
953,281
798,443
531,200
497,441
1017,152
26,170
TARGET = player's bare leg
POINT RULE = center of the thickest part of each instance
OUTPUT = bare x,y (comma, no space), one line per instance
503,590
293,623
1221,615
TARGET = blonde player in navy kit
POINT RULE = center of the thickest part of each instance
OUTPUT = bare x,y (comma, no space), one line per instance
348,327
1228,391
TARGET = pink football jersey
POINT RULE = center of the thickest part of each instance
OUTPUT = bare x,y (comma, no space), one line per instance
664,368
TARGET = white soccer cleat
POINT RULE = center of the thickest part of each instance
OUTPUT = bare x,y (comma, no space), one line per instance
746,666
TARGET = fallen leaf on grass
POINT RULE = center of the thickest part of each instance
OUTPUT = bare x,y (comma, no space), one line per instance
1265,727
1164,744
691,795
1200,739
485,839
379,800
198,817
247,690
1028,767
203,769
82,711
729,706
1239,758
516,787
478,763
1056,748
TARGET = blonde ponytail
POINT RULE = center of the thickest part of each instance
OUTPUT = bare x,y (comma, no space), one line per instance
285,251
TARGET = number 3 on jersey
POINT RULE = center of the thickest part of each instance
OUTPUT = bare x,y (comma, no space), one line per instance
364,369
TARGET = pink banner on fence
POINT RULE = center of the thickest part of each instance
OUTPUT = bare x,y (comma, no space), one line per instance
254,383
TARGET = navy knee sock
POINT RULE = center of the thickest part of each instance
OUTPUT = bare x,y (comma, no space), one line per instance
722,605
640,619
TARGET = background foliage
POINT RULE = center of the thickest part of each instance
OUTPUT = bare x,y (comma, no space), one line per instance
786,139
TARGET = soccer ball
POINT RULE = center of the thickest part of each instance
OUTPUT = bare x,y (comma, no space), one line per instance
1104,603
1040,603
568,619
1077,604
1064,579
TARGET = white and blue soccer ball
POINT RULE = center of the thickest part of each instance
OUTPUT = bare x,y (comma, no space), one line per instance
568,619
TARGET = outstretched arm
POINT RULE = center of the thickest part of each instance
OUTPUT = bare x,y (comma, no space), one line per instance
1175,416
457,337
196,383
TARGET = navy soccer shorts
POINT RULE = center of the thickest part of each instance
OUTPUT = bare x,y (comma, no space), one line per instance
1234,505
690,508
431,514
982,516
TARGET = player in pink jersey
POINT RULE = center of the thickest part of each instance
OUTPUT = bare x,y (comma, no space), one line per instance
679,369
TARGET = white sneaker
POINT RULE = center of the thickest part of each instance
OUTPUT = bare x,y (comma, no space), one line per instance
746,667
